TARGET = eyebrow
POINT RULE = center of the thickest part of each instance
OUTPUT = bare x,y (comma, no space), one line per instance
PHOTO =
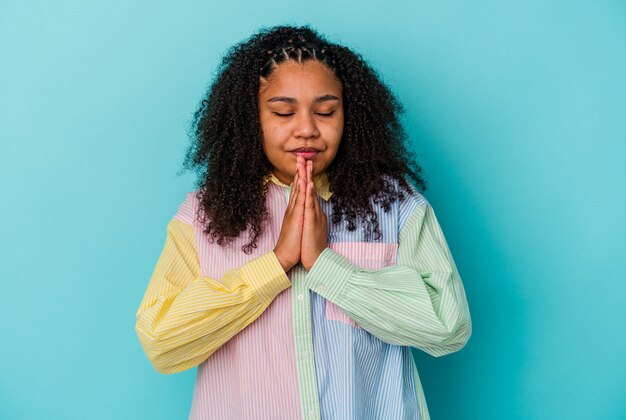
287,99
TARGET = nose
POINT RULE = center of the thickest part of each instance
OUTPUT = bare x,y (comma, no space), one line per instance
305,126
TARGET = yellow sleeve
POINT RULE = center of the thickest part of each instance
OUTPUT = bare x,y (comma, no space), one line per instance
185,317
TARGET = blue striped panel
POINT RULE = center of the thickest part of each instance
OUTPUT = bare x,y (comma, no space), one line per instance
358,375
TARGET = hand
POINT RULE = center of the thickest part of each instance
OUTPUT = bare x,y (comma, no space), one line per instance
287,247
315,230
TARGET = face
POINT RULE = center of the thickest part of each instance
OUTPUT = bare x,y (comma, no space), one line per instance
301,114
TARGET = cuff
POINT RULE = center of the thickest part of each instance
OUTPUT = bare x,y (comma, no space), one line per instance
330,274
266,276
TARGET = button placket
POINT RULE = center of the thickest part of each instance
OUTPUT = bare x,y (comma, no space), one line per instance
304,344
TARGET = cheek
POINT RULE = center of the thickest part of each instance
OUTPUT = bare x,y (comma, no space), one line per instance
271,135
339,130
338,126
336,133
274,130
267,125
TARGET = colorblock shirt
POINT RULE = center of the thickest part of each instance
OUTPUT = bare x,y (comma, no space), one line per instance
331,343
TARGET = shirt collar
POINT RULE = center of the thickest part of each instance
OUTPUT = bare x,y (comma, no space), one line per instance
320,181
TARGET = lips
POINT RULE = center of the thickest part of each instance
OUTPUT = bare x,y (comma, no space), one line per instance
305,149
306,152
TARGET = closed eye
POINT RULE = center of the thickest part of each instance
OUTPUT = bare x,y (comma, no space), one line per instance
319,113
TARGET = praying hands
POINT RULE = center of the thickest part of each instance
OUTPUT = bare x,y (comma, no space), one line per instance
303,234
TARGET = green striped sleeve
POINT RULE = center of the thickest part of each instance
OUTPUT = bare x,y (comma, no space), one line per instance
420,302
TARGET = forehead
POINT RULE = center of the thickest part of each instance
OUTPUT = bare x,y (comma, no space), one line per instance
308,77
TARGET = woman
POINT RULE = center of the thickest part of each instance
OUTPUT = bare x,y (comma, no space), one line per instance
304,267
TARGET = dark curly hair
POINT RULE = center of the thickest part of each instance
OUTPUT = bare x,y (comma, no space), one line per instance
226,138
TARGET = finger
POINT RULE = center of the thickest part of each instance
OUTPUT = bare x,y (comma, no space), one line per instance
316,204
300,200
319,213
309,168
295,182
307,200
309,175
294,192
302,168
298,164
310,194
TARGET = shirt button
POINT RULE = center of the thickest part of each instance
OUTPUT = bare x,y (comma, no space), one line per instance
300,298
321,288
305,355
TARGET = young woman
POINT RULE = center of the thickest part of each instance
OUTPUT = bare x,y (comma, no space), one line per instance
304,267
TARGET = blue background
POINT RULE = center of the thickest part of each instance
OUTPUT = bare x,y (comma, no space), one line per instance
516,109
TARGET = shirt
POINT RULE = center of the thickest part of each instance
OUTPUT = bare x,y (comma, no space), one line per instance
331,343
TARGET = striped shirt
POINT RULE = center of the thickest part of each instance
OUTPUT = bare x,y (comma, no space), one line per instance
331,343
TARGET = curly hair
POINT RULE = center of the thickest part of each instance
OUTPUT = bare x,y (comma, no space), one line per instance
226,139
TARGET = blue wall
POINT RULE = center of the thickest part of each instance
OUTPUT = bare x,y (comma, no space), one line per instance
515,108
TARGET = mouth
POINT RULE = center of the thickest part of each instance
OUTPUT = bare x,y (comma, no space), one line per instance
306,152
